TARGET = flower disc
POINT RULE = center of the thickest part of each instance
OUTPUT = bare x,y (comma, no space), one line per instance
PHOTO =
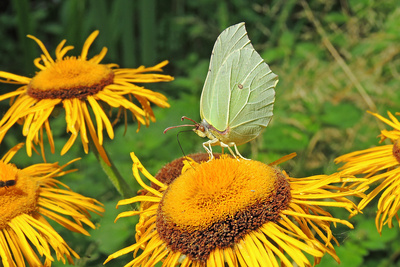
16,199
216,203
70,78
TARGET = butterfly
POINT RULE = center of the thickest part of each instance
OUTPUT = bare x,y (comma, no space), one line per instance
238,94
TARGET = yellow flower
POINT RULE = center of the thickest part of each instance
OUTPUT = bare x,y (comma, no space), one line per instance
229,212
382,164
76,83
29,195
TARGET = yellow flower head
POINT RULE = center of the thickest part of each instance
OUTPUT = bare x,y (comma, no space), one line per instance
381,163
76,83
29,195
230,212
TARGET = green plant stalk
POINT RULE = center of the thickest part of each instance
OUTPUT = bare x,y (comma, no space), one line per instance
24,22
147,16
113,174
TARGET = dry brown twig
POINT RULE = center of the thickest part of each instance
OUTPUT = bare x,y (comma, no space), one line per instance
370,104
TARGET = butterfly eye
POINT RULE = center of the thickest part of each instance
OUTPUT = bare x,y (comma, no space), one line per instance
201,128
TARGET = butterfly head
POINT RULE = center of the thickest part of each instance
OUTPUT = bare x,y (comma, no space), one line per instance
200,128
203,129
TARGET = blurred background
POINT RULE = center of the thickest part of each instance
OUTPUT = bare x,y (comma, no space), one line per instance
335,60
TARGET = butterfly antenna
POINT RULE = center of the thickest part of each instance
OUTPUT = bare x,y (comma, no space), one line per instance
186,118
177,137
173,127
183,125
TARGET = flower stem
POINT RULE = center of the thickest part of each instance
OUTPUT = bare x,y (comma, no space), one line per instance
113,174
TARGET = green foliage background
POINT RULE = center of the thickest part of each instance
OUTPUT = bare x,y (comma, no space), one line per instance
335,60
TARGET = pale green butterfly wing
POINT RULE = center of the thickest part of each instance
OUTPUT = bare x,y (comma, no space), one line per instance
245,98
239,89
231,39
252,96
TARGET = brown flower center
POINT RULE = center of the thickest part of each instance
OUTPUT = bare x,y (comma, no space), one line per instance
70,78
218,203
168,173
18,193
396,150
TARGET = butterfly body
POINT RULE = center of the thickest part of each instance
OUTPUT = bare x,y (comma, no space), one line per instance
226,136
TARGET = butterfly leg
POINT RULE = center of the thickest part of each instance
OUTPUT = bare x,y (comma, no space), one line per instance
237,155
229,148
209,149
237,152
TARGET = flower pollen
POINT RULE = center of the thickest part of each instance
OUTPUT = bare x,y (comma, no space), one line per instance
16,199
216,203
70,78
